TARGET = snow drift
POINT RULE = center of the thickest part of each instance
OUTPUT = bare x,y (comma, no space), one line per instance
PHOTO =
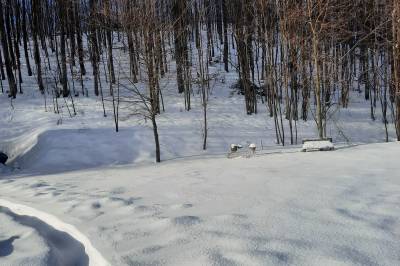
331,208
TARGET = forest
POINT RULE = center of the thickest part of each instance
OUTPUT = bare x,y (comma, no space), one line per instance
301,59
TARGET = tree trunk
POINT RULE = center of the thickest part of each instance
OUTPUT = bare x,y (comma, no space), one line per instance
94,49
6,53
317,86
36,14
396,59
79,39
64,77
178,13
156,140
226,44
25,38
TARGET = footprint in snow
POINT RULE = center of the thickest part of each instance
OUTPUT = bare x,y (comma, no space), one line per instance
39,185
186,220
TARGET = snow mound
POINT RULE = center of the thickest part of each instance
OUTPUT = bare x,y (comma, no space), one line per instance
317,145
16,147
73,149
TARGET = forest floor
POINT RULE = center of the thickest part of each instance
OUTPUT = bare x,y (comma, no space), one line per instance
198,207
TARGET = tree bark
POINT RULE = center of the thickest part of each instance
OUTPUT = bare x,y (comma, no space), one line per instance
6,53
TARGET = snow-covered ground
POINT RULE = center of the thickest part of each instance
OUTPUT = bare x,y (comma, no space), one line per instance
44,142
64,243
20,245
324,208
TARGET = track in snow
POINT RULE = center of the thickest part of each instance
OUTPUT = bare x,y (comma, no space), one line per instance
63,249
67,246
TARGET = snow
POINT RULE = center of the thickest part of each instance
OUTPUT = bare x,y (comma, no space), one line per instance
43,142
35,143
318,145
95,258
336,208
5,169
278,207
16,242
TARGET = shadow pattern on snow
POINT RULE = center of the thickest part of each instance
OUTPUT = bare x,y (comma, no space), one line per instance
63,249
6,246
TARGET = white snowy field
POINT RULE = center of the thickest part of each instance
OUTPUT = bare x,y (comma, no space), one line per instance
323,208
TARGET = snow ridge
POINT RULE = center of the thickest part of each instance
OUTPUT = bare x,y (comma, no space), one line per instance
95,258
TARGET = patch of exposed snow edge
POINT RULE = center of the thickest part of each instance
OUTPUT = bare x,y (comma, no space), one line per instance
95,258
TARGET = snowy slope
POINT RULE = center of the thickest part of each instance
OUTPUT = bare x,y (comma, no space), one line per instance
44,142
324,208
39,141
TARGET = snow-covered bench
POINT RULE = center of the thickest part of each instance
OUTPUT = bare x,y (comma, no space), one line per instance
317,145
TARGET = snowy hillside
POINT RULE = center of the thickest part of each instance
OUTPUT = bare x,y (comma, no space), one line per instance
44,142
324,208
